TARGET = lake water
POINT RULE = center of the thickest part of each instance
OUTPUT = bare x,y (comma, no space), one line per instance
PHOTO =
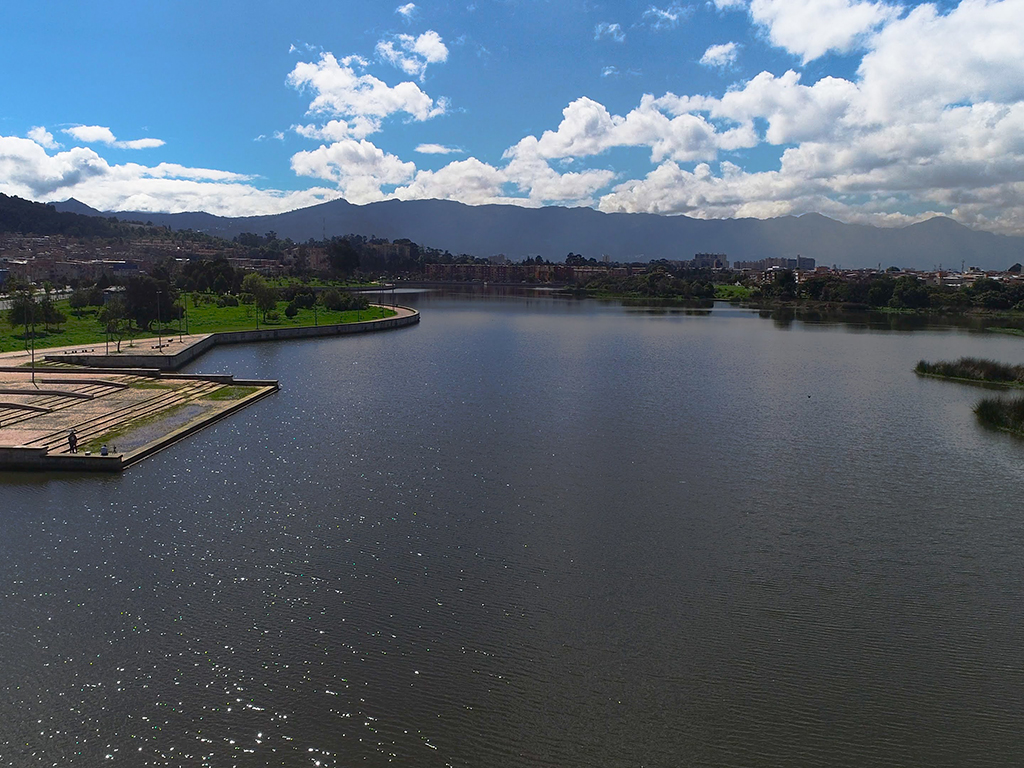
538,532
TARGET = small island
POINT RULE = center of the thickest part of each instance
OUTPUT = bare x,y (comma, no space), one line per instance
973,370
1003,414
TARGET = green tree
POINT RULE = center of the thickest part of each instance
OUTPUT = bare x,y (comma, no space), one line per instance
79,300
149,299
333,300
880,291
50,314
784,284
116,320
343,257
264,295
909,292
24,311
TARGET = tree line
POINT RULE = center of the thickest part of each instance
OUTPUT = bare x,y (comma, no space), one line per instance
900,292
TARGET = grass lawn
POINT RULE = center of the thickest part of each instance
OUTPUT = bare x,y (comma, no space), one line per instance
230,393
732,292
87,332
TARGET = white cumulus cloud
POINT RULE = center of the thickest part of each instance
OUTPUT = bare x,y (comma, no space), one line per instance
343,91
530,171
413,54
468,181
359,168
100,134
812,28
829,110
91,134
407,11
357,127
722,55
588,128
928,60
28,171
437,149
43,138
934,121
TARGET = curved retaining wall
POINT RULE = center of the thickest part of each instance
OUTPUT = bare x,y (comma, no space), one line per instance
190,353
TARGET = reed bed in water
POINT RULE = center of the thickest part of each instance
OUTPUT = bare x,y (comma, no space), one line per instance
1003,414
973,369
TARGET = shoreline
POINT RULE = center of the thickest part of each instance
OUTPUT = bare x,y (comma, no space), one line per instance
983,383
760,305
182,350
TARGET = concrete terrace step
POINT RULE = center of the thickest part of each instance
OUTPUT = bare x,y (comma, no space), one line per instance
89,429
22,407
159,400
37,391
56,442
49,401
89,382
87,389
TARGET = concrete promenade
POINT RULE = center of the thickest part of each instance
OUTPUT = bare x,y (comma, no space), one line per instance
131,402
175,352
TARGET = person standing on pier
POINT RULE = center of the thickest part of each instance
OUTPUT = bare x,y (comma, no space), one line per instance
72,442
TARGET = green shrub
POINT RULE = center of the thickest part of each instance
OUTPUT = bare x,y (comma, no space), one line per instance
334,300
1002,414
974,369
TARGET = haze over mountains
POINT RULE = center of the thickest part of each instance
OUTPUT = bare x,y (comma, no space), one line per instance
553,232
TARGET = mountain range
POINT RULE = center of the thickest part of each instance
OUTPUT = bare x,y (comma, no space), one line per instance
554,232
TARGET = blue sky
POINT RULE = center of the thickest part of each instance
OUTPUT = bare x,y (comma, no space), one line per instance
873,112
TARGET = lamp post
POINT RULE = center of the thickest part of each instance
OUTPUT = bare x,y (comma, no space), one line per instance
32,315
159,335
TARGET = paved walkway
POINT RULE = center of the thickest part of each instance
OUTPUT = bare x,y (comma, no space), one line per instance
171,345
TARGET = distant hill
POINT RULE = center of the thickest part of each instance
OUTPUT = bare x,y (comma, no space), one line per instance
76,206
553,232
25,217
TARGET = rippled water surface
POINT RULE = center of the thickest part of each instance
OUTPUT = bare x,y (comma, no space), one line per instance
531,532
